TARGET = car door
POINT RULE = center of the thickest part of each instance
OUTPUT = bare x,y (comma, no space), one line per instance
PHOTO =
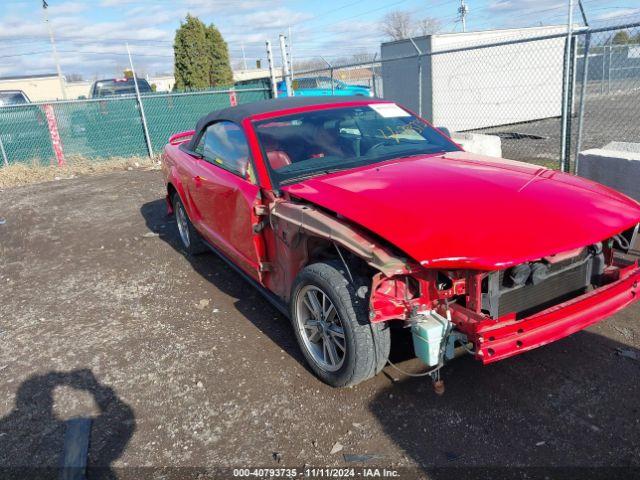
323,86
224,191
304,87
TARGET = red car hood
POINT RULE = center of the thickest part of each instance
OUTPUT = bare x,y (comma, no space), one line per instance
460,210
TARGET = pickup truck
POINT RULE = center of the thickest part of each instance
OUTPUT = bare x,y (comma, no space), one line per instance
353,216
13,97
319,86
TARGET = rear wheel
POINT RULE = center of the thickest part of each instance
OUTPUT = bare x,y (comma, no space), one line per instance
331,323
189,237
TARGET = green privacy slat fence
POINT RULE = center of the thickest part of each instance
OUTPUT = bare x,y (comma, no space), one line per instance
99,129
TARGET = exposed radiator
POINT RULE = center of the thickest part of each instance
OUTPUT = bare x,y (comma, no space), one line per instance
565,279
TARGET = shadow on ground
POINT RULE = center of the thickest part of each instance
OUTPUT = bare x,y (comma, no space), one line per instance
32,434
572,403
248,301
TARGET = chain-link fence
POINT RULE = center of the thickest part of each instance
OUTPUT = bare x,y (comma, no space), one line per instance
607,93
508,84
49,132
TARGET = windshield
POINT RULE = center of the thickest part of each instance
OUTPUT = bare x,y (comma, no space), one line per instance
12,98
310,143
108,88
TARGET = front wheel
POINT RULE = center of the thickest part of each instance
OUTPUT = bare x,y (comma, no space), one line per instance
330,318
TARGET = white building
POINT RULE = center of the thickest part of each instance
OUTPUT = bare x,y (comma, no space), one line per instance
479,87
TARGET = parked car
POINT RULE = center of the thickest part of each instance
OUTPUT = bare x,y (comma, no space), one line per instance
318,86
23,128
120,116
353,215
113,87
12,97
264,83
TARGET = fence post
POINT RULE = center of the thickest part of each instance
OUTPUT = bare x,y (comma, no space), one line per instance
373,74
609,70
333,89
272,75
565,93
419,76
5,160
330,74
583,91
604,50
570,101
574,73
142,115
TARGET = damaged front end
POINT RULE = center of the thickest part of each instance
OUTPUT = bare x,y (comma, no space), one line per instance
500,313
491,314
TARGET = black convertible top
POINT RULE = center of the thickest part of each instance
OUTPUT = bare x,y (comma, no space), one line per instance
238,113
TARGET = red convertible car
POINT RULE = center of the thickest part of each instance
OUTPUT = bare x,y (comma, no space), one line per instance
353,214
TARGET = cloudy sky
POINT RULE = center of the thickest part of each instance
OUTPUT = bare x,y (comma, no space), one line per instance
91,35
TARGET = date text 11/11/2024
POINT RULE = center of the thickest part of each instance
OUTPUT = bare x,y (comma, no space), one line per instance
316,472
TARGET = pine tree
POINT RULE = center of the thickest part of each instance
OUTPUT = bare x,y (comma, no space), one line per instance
220,73
192,58
621,38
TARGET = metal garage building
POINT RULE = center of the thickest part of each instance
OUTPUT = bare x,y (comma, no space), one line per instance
469,82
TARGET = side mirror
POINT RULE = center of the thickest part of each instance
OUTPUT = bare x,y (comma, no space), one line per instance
445,130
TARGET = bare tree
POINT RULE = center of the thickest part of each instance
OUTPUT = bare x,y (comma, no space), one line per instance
397,24
360,58
74,77
400,24
428,26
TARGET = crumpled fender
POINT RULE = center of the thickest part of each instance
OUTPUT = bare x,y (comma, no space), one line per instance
320,224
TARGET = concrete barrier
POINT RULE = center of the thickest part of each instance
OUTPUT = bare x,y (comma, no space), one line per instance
616,165
479,143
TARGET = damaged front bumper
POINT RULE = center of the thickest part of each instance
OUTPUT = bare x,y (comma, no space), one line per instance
506,338
488,338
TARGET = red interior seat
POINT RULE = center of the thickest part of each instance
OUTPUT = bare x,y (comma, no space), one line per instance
278,159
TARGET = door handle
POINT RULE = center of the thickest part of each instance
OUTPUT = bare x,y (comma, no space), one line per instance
198,180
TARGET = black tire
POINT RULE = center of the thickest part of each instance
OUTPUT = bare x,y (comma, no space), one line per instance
191,242
367,345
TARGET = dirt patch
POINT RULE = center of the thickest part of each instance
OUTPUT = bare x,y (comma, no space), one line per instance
180,363
24,174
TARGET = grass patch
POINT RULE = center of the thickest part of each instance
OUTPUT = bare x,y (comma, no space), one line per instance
27,173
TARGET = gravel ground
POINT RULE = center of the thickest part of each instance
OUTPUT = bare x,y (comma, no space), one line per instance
180,363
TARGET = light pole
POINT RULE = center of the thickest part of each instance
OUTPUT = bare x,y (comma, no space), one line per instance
463,10
244,58
290,54
56,59
285,65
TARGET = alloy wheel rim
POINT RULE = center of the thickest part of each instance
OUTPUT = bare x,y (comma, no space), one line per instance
321,328
183,227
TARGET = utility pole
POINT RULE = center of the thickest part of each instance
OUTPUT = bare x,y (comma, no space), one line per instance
56,59
145,128
244,59
463,11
